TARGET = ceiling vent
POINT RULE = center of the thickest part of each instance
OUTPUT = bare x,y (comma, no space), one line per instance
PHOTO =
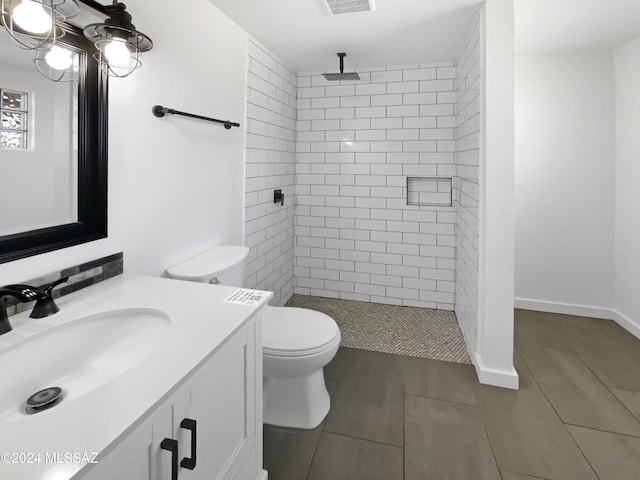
338,7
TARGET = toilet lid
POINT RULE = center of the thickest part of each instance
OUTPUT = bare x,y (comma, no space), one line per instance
211,262
290,331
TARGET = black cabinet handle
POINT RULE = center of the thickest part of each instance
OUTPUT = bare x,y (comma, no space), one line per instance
190,462
172,446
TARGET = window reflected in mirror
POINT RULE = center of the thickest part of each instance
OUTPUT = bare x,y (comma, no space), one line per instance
14,132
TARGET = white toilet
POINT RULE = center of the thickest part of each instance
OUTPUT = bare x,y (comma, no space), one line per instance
297,343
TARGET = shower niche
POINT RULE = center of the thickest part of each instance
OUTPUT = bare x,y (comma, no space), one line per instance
430,191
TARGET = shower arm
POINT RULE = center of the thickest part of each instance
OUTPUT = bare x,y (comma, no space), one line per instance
342,55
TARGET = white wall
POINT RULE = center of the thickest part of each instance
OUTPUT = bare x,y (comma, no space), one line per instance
175,184
565,129
493,357
627,193
358,141
270,165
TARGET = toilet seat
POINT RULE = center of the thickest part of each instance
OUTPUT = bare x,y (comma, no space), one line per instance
297,332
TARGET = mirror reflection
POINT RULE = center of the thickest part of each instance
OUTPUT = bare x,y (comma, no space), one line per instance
38,139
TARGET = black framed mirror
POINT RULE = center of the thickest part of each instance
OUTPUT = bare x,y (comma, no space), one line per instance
88,137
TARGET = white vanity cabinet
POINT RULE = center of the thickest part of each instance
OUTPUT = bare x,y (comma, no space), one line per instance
220,398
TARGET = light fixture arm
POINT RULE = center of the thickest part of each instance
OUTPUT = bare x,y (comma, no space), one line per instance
96,6
107,10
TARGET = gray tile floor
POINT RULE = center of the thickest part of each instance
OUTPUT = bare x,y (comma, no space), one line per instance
576,415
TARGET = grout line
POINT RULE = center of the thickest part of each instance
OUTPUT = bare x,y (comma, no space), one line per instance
315,452
582,452
526,474
359,438
440,399
404,433
363,439
493,452
623,404
608,390
523,361
601,430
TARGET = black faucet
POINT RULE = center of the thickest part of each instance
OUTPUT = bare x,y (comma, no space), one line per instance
44,306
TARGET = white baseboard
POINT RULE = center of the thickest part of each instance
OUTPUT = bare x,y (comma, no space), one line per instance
497,378
263,475
564,308
625,322
580,311
490,376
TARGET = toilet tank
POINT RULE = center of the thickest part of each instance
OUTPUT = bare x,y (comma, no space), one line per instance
223,264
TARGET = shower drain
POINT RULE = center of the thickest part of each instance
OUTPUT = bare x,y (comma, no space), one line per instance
44,400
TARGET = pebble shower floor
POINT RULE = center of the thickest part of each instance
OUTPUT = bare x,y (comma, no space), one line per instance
416,332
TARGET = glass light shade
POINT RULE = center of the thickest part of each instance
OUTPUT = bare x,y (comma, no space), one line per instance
32,17
117,52
118,42
58,63
59,58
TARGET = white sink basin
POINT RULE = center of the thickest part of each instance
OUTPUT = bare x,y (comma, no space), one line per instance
78,356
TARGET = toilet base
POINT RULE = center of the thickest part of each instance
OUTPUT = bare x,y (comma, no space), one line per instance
296,402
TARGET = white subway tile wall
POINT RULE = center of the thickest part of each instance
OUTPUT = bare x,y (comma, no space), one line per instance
270,165
357,141
467,193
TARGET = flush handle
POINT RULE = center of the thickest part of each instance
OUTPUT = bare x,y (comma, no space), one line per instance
190,462
214,281
171,446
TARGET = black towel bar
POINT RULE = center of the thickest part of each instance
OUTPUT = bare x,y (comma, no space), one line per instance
160,111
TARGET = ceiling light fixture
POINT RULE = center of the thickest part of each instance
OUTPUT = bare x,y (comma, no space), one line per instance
34,24
38,24
118,42
57,63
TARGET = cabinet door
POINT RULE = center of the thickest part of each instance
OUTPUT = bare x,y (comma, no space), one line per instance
130,460
166,425
223,404
139,455
134,457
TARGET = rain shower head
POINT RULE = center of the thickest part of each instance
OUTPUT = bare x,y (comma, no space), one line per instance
334,77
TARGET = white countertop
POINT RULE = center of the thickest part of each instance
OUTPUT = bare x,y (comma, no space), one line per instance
200,325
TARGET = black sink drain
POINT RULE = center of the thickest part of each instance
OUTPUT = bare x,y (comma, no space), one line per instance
44,399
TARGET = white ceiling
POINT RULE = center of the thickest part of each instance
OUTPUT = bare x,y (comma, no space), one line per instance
401,32
546,26
307,37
